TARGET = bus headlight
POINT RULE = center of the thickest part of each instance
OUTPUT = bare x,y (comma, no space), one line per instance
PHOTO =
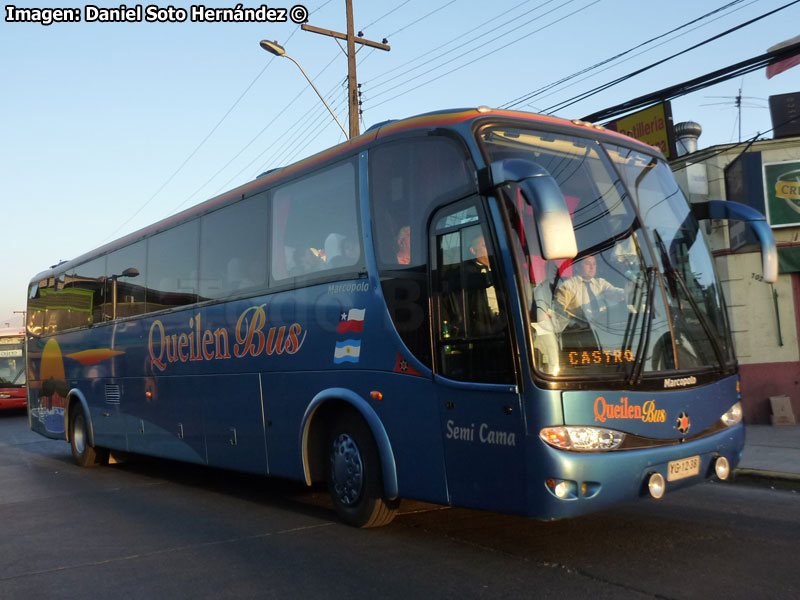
582,439
733,416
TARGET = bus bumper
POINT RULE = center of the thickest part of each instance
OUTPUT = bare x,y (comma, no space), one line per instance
12,399
566,484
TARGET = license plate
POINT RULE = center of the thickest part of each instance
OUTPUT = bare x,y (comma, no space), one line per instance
681,469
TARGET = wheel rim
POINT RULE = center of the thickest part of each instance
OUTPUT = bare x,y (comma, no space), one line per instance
79,435
347,470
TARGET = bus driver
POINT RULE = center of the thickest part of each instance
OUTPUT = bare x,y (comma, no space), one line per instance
584,294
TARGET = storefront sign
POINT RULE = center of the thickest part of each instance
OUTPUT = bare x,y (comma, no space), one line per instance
652,126
782,193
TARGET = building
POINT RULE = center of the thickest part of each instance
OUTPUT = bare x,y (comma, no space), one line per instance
765,318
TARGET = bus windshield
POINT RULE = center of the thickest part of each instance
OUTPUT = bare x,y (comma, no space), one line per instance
12,362
641,295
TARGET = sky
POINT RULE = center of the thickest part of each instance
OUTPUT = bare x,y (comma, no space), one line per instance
108,127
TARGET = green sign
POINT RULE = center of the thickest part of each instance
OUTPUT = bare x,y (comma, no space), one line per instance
789,259
782,193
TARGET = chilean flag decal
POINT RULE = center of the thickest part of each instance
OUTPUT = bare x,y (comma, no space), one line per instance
352,320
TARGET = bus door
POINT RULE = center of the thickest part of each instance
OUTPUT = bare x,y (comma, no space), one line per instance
482,423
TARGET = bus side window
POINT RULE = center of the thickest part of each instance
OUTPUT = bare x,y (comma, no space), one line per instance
312,218
233,249
172,261
36,308
408,178
67,307
40,320
87,282
120,268
472,331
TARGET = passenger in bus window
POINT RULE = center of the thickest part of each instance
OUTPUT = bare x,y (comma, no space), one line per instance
404,246
544,313
547,321
345,253
585,295
352,251
306,262
483,309
334,256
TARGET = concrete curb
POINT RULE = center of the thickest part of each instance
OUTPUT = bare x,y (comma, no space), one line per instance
776,478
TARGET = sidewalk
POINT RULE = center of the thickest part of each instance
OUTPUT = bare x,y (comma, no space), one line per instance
771,453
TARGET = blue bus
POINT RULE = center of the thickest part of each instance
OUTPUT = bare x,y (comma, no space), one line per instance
477,308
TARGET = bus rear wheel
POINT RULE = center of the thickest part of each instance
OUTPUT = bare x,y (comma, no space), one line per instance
354,476
83,452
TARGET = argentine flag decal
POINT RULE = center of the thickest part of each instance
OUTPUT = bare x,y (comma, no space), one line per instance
347,351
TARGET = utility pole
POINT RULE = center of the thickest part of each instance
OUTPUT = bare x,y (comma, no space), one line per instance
352,40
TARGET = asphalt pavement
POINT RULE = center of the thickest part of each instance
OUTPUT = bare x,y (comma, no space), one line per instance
771,452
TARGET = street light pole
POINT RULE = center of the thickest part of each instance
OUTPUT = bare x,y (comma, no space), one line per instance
352,89
277,50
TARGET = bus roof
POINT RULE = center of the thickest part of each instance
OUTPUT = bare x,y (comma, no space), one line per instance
430,120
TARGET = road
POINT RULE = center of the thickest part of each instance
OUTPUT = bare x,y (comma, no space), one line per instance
158,529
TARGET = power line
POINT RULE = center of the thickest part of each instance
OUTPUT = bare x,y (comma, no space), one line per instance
296,143
252,140
422,18
297,138
524,98
698,83
276,151
439,77
401,5
455,39
247,145
438,9
631,57
479,47
192,153
206,138
601,88
282,150
308,132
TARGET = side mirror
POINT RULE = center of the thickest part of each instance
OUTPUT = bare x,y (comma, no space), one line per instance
541,191
734,211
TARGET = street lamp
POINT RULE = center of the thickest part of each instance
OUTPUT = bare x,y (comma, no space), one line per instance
129,272
278,50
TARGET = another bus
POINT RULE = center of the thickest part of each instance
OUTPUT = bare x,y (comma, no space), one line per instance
475,307
13,393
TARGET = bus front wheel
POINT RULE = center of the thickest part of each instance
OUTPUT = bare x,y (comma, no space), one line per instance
83,452
354,474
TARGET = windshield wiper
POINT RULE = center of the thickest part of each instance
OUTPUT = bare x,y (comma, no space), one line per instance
701,317
644,338
674,275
